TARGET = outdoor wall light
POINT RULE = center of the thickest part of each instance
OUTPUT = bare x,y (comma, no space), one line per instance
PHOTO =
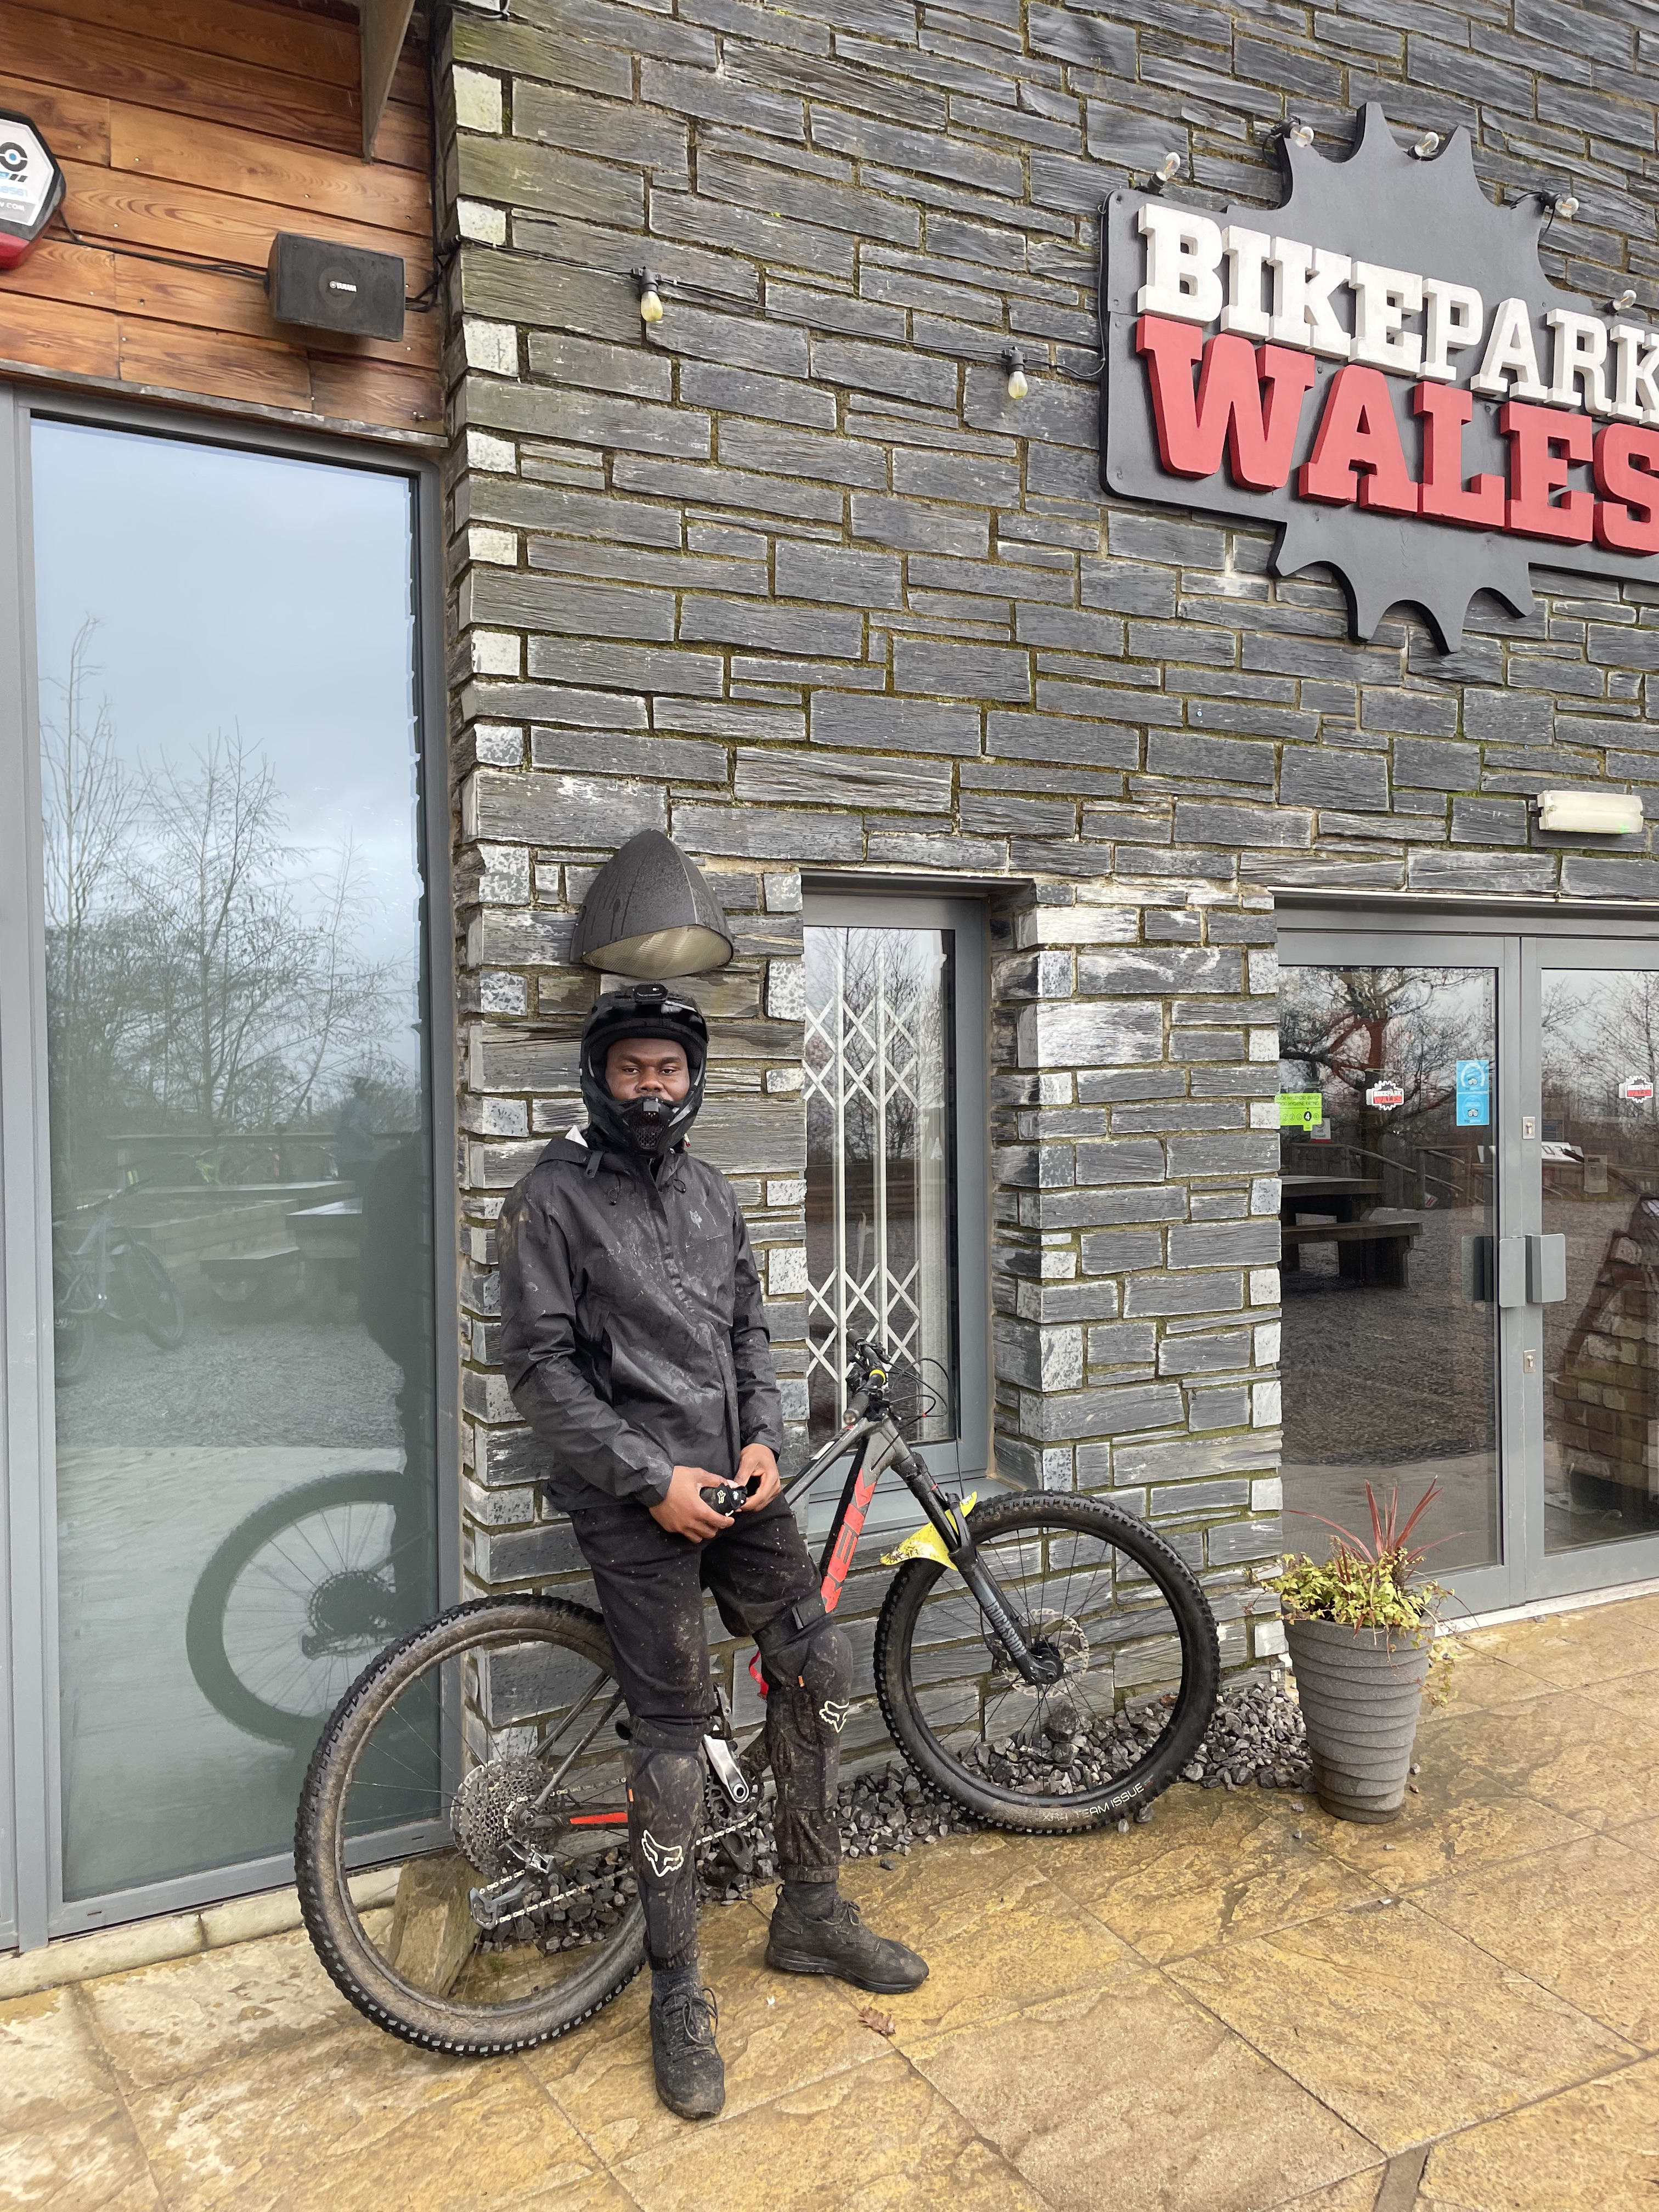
650,915
1621,300
1427,144
1169,168
650,297
1014,361
1590,813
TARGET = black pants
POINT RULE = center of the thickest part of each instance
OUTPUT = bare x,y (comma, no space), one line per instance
650,1586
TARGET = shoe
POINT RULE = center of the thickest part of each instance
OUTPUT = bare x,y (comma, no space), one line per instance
840,1944
691,2078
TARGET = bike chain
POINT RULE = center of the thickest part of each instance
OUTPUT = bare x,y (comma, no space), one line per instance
513,1928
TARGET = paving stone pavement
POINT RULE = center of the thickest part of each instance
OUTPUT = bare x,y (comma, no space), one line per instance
1241,2006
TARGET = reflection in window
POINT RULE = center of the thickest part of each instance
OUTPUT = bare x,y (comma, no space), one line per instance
880,1172
239,1147
1388,1216
1600,1050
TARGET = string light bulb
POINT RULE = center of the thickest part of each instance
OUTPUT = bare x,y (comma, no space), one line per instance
1565,204
651,309
1169,168
1621,300
1299,133
1014,361
1427,144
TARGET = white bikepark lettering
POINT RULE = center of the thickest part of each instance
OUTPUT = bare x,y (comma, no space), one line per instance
1296,294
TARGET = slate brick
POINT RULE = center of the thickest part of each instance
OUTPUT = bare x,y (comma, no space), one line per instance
971,671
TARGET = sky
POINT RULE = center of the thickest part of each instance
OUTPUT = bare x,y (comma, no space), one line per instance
245,593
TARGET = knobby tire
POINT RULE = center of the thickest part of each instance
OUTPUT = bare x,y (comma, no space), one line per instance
432,2023
1126,1793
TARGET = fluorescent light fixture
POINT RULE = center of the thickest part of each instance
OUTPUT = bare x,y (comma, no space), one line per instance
649,914
1590,813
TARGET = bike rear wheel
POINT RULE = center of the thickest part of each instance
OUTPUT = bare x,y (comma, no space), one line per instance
150,1297
428,1791
1121,1618
300,1594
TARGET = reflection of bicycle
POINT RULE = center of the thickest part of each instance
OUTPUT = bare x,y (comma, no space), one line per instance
305,1590
101,1271
461,1848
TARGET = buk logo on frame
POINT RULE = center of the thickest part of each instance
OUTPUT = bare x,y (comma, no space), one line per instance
1380,367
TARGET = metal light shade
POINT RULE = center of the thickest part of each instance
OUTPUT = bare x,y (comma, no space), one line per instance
650,915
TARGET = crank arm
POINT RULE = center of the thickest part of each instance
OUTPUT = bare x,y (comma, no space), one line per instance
727,1772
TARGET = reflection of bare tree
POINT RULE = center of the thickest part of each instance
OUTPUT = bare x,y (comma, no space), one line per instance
203,974
1350,1025
94,951
1595,1031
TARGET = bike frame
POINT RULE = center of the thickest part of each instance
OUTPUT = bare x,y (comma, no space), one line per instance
867,1423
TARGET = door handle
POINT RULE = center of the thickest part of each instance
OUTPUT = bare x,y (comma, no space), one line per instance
1546,1270
1512,1271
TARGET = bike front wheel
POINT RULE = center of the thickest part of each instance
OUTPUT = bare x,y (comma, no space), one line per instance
1127,1639
462,1845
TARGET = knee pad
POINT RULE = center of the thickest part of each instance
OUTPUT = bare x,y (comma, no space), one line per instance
664,1810
808,1663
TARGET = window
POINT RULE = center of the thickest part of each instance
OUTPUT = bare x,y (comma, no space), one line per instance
238,1032
895,1157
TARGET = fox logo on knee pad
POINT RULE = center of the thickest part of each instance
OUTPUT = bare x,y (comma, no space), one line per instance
663,1859
834,1715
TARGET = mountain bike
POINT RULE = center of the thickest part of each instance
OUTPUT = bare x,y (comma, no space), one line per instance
100,1268
1047,1660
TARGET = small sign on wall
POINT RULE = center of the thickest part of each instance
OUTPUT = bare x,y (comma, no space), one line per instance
1636,1090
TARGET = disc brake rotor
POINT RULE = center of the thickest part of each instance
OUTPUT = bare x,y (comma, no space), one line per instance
1052,1708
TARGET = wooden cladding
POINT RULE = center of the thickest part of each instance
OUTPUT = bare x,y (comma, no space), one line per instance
202,128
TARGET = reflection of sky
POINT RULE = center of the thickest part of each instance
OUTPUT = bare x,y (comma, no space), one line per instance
249,594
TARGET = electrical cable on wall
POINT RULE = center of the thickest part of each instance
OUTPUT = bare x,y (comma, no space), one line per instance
421,303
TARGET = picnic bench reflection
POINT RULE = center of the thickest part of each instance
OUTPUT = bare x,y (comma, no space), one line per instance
1371,1249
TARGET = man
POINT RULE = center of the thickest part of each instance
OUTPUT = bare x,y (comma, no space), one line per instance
635,1344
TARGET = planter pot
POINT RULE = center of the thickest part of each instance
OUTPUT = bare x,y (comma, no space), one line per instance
1361,1690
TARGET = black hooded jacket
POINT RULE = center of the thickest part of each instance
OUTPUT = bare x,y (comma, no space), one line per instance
633,1333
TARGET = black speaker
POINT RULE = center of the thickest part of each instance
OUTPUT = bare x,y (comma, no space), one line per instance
324,287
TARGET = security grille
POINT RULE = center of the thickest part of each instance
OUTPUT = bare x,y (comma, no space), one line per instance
879,1189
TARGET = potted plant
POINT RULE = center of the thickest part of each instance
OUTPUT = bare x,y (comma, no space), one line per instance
1361,1628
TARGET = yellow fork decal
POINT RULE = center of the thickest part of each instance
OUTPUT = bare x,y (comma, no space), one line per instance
925,1542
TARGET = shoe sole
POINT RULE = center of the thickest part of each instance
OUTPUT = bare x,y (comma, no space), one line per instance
712,2111
785,1965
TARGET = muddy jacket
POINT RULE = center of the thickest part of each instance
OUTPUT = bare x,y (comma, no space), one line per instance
633,1334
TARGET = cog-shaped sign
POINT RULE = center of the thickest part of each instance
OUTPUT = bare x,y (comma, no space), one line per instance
31,187
1380,367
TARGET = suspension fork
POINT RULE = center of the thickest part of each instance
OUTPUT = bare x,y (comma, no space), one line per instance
945,1514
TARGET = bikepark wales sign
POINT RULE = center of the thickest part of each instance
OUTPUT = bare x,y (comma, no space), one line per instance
1380,367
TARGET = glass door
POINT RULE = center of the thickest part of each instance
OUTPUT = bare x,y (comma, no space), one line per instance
1597,1270
1394,1199
1470,1274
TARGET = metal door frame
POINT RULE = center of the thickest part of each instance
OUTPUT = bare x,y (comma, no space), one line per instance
1517,944
31,1874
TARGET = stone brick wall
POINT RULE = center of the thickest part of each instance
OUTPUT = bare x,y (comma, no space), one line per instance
791,576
